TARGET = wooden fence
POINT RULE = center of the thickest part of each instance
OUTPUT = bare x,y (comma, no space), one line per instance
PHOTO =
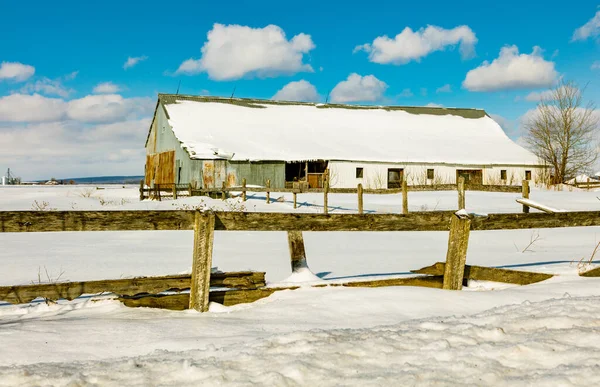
204,224
160,190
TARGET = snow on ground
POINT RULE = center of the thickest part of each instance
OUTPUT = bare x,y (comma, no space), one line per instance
487,334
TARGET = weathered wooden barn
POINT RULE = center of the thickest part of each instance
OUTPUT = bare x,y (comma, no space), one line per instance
209,140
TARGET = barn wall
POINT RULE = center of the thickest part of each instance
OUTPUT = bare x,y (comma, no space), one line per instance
257,173
343,173
162,139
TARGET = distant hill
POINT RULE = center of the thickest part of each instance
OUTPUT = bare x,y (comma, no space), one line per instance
105,180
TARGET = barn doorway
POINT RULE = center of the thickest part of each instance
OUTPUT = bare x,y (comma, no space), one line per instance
472,176
395,177
309,171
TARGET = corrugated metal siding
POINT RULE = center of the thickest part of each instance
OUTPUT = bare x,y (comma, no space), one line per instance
257,173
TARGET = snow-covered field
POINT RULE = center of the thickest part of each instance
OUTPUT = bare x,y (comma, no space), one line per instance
547,333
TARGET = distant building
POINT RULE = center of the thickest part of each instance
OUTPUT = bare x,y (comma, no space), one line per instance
209,140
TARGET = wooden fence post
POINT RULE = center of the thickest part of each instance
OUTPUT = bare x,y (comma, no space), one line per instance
297,252
268,192
525,193
295,199
461,193
360,198
223,193
158,192
204,228
174,191
190,189
404,197
325,193
142,196
244,189
456,256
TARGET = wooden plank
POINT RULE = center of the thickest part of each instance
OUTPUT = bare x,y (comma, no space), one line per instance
143,220
297,251
142,196
525,194
326,193
591,273
404,197
481,273
268,191
234,297
37,221
244,190
493,188
127,286
461,193
360,198
252,221
181,301
425,281
456,256
535,220
223,192
538,206
204,227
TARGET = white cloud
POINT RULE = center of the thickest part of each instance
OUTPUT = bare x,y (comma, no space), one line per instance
105,108
424,91
412,45
31,108
106,88
510,127
94,135
234,51
512,70
595,65
431,104
132,61
49,86
589,29
444,89
108,108
358,89
15,71
297,91
70,149
406,93
536,96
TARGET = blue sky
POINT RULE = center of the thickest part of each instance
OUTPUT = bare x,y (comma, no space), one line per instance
65,50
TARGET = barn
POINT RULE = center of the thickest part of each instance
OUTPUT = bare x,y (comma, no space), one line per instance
205,141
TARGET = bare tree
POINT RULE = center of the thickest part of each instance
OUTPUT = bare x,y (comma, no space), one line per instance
562,131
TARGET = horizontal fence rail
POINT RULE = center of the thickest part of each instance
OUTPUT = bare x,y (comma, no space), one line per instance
373,191
142,220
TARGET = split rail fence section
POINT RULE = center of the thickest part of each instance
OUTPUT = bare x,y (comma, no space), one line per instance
174,191
204,224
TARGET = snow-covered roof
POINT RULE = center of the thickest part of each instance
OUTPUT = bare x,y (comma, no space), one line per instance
242,129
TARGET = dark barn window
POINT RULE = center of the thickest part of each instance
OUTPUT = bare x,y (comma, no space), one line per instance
395,176
359,173
503,174
527,175
430,174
